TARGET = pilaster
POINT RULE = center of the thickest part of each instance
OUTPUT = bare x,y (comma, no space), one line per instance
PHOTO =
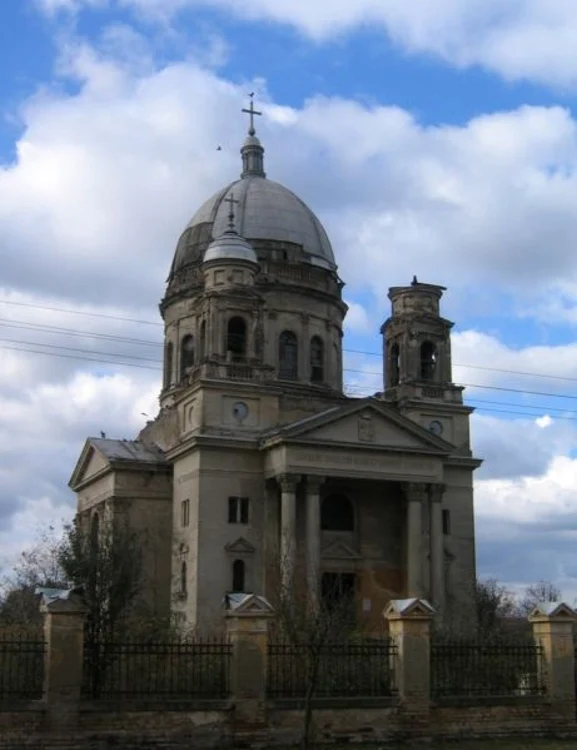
416,494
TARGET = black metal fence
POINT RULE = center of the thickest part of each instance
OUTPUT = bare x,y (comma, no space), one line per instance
467,668
156,670
360,668
21,668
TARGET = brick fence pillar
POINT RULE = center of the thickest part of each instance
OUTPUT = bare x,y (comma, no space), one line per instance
409,624
64,614
553,629
247,623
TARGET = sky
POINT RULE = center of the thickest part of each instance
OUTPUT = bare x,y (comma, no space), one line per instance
437,139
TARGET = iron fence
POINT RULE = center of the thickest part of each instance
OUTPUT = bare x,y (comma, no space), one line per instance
468,668
362,668
156,670
21,668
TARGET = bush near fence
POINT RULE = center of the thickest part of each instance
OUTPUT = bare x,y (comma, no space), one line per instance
363,667
157,670
466,668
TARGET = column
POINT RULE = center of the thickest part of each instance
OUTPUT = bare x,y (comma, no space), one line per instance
553,630
64,614
288,541
416,493
313,544
437,548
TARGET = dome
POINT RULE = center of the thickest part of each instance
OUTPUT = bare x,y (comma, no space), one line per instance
266,212
230,246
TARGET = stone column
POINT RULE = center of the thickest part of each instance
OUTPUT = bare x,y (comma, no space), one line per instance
313,545
288,541
247,625
409,625
553,630
416,494
437,548
64,612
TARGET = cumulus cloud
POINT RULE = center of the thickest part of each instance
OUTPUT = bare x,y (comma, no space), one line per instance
523,39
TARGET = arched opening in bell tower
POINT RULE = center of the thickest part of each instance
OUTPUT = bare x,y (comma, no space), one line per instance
394,368
186,355
428,360
168,356
288,362
236,339
317,360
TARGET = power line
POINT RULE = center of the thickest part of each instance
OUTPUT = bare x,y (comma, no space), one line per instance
85,359
155,343
44,328
80,312
83,351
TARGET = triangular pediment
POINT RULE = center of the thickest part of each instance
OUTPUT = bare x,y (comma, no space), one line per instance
408,608
248,605
553,610
339,551
91,463
240,547
366,423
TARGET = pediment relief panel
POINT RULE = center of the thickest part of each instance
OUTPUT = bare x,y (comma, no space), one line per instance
240,547
368,428
339,551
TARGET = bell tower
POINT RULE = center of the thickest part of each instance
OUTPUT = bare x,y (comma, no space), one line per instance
417,362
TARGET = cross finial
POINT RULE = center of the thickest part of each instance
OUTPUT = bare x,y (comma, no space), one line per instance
231,202
252,112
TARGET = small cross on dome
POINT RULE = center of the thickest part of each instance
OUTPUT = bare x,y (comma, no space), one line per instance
231,200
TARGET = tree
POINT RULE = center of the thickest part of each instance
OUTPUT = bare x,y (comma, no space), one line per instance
108,568
495,604
37,566
538,593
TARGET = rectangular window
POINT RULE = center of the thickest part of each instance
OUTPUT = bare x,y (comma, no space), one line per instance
238,509
185,512
446,522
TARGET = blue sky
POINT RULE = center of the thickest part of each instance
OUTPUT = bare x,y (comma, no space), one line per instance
442,144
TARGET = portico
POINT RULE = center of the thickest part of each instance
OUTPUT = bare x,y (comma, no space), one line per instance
374,471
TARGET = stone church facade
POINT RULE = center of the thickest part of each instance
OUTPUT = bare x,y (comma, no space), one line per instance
259,474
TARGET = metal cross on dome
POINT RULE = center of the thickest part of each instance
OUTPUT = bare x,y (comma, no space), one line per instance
231,200
252,112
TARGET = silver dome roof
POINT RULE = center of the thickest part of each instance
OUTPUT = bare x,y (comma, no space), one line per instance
230,246
266,211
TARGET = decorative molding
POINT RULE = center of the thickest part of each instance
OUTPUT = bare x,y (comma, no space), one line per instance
339,551
415,491
288,482
240,547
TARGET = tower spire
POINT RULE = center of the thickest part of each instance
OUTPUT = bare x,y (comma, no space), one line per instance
252,150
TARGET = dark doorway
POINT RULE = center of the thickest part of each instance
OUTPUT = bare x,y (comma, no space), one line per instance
337,588
238,569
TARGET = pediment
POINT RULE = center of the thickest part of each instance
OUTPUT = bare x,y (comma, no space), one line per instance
408,609
367,423
553,610
240,547
338,550
91,463
248,605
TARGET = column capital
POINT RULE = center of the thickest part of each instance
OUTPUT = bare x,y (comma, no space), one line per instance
415,491
436,492
314,483
288,482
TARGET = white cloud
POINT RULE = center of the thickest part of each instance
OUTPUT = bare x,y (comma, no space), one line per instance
521,39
